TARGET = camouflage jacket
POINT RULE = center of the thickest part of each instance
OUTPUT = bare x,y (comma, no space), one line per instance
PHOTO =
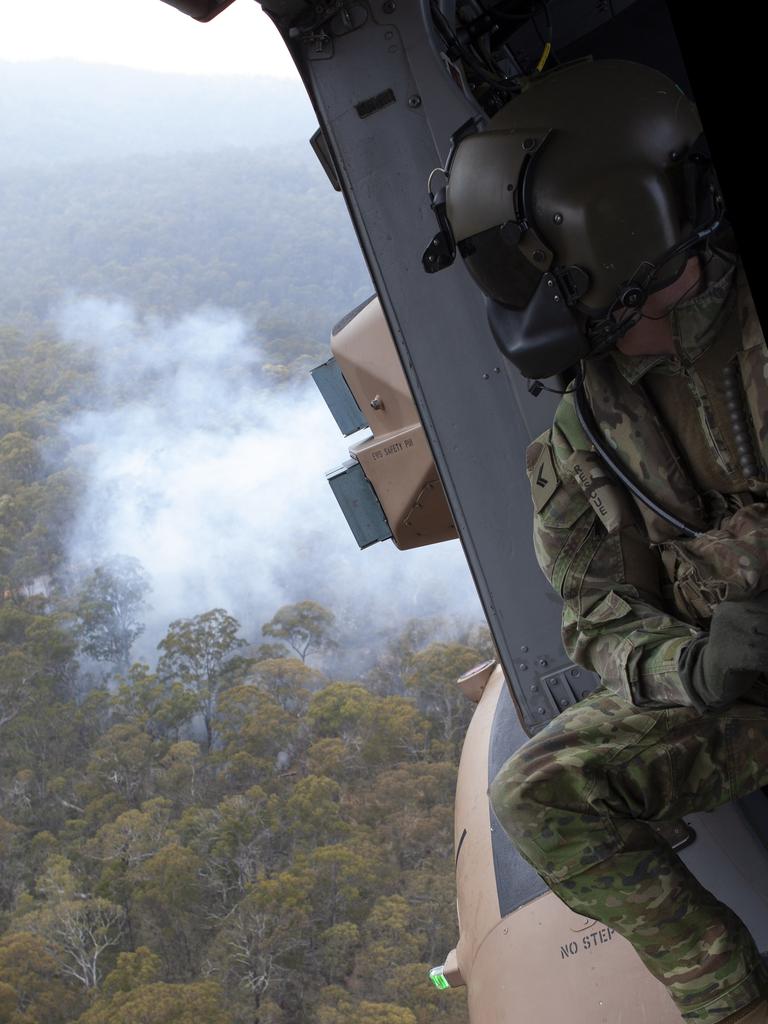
635,590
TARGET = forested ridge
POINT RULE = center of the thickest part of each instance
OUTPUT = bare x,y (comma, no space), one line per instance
260,233
56,112
228,833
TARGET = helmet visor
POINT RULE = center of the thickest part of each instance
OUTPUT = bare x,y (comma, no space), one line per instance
500,269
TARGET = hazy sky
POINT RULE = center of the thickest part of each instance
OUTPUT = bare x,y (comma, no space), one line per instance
145,34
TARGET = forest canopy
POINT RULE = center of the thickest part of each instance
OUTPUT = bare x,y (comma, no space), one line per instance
247,825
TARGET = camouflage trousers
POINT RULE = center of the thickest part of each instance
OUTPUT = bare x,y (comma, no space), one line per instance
577,800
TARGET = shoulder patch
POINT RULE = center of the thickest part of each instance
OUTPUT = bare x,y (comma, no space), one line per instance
544,479
609,501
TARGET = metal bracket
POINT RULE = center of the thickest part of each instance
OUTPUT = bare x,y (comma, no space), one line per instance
568,686
545,695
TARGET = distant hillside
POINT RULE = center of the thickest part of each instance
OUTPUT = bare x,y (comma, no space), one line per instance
60,111
260,233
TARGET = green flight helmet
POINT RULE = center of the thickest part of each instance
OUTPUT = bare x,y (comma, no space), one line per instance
585,194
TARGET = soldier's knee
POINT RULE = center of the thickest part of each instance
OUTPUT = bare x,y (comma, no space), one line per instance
519,800
503,794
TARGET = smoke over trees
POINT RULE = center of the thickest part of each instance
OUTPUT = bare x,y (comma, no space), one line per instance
305,627
109,604
199,653
227,763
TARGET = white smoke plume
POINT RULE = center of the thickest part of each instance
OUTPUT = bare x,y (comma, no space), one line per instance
215,480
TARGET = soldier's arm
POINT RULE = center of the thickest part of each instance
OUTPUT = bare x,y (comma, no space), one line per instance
596,558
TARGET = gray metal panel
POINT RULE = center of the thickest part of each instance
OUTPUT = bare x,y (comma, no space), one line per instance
477,413
359,504
339,399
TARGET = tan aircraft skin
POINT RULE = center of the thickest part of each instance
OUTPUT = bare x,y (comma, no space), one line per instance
541,964
397,460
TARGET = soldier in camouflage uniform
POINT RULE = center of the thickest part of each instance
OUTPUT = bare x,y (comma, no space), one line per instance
667,601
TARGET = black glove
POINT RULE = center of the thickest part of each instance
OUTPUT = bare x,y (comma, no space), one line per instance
719,668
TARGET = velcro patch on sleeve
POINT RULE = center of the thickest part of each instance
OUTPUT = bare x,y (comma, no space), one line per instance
600,489
544,479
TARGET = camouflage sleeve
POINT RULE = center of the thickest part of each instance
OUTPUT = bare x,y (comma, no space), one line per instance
597,559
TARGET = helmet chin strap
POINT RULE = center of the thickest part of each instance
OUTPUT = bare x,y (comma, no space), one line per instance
554,332
605,330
